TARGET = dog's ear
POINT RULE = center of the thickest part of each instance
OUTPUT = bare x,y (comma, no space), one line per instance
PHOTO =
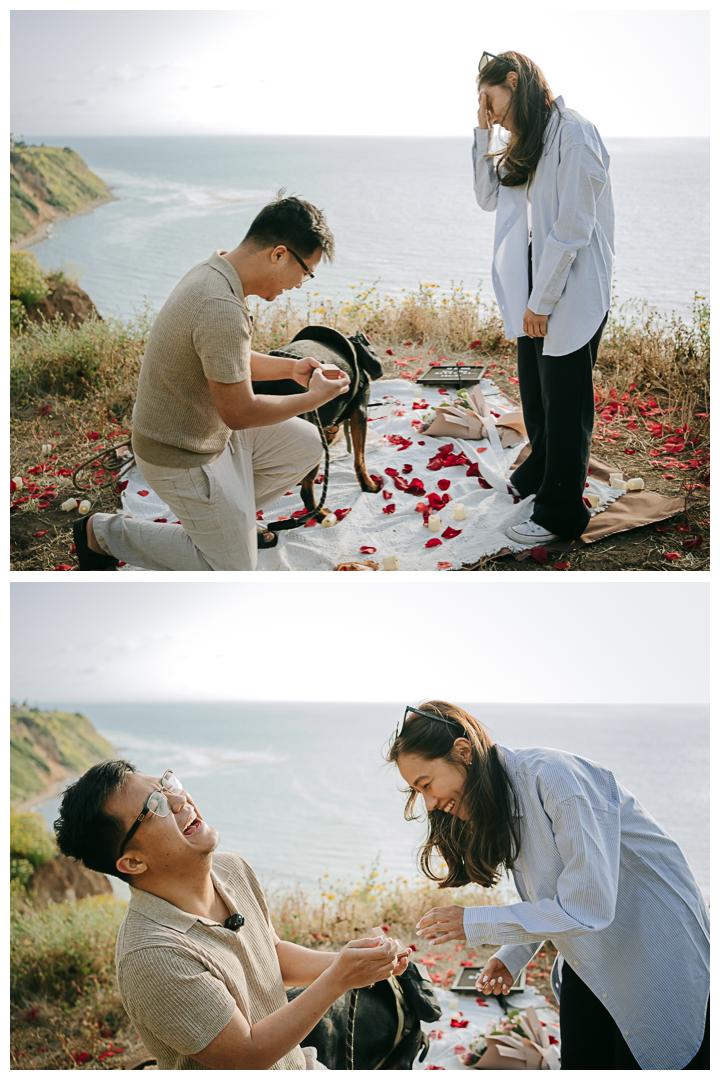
368,359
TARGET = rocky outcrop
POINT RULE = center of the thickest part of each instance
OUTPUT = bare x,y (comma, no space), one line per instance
65,299
48,182
62,880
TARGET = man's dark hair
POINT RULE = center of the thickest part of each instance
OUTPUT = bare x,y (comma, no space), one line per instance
293,222
84,830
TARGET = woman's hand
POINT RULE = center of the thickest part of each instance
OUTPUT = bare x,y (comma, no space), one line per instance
534,325
363,962
494,978
442,924
402,960
483,121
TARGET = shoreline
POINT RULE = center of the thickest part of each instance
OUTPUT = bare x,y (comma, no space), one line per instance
41,231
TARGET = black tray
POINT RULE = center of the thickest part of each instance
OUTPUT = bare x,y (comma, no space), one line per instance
451,375
465,980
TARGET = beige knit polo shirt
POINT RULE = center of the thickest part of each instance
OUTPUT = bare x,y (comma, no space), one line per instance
181,976
202,332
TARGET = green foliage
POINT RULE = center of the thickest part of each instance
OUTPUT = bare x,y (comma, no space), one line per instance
17,315
27,280
58,358
56,176
38,738
21,870
30,840
60,950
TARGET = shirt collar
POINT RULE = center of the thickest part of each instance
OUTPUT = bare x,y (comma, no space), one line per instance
228,271
166,914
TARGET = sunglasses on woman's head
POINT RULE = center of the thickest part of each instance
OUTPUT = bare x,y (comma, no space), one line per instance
488,57
428,716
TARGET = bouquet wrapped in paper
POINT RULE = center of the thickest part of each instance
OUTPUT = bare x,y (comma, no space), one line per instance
469,417
518,1042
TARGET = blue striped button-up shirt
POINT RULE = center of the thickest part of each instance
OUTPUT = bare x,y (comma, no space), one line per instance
614,893
573,227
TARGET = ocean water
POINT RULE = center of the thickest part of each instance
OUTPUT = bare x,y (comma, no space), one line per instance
301,790
402,211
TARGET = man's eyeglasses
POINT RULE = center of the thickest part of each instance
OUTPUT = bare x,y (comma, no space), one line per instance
488,57
308,273
428,716
156,803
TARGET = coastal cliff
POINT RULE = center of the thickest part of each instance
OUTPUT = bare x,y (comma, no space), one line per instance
48,182
46,748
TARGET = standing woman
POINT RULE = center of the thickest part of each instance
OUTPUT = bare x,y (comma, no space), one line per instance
552,276
595,874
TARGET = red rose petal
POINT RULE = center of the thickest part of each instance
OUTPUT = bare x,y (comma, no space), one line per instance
143,493
63,566
449,533
391,472
693,542
389,352
387,495
407,467
629,450
540,554
561,566
672,555
443,484
459,1023
43,532
435,542
389,509
92,435
309,523
340,514
446,566
482,1003
366,550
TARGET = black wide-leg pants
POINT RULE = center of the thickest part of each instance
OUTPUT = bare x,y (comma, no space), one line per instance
590,1038
558,403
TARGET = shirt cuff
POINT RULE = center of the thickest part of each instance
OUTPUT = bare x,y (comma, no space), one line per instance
479,925
482,138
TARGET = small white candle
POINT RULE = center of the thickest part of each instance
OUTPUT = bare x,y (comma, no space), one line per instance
47,449
328,521
434,523
459,511
594,500
70,504
417,393
617,482
18,482
391,562
615,476
84,506
636,484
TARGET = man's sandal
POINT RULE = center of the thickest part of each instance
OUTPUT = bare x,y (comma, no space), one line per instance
87,558
266,538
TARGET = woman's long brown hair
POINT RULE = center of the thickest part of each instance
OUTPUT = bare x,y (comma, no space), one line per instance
532,106
479,848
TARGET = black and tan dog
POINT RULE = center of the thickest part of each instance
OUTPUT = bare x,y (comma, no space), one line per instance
359,360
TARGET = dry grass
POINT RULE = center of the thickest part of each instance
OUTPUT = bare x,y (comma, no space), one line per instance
651,370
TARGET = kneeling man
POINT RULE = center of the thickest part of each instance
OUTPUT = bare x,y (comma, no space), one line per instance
201,970
211,449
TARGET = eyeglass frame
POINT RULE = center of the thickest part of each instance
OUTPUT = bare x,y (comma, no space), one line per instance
502,59
309,273
428,716
146,809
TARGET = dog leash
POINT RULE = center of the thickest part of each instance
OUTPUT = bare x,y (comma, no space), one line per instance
296,523
350,1039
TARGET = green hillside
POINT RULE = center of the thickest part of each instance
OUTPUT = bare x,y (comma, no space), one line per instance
47,180
49,745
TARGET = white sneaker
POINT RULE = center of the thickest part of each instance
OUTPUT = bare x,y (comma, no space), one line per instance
529,532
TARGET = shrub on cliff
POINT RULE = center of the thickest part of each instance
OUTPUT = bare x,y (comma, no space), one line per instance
30,839
27,280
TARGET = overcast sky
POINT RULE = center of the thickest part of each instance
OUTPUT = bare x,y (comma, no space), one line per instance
370,69
464,637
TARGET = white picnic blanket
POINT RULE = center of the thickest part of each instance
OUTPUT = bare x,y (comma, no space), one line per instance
400,532
449,1044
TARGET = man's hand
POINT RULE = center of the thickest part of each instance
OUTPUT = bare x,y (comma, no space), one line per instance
402,961
322,389
363,962
304,368
534,325
494,978
442,924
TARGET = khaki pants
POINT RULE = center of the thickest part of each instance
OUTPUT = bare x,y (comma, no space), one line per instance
216,503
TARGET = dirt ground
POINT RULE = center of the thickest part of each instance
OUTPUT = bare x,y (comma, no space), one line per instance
635,435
